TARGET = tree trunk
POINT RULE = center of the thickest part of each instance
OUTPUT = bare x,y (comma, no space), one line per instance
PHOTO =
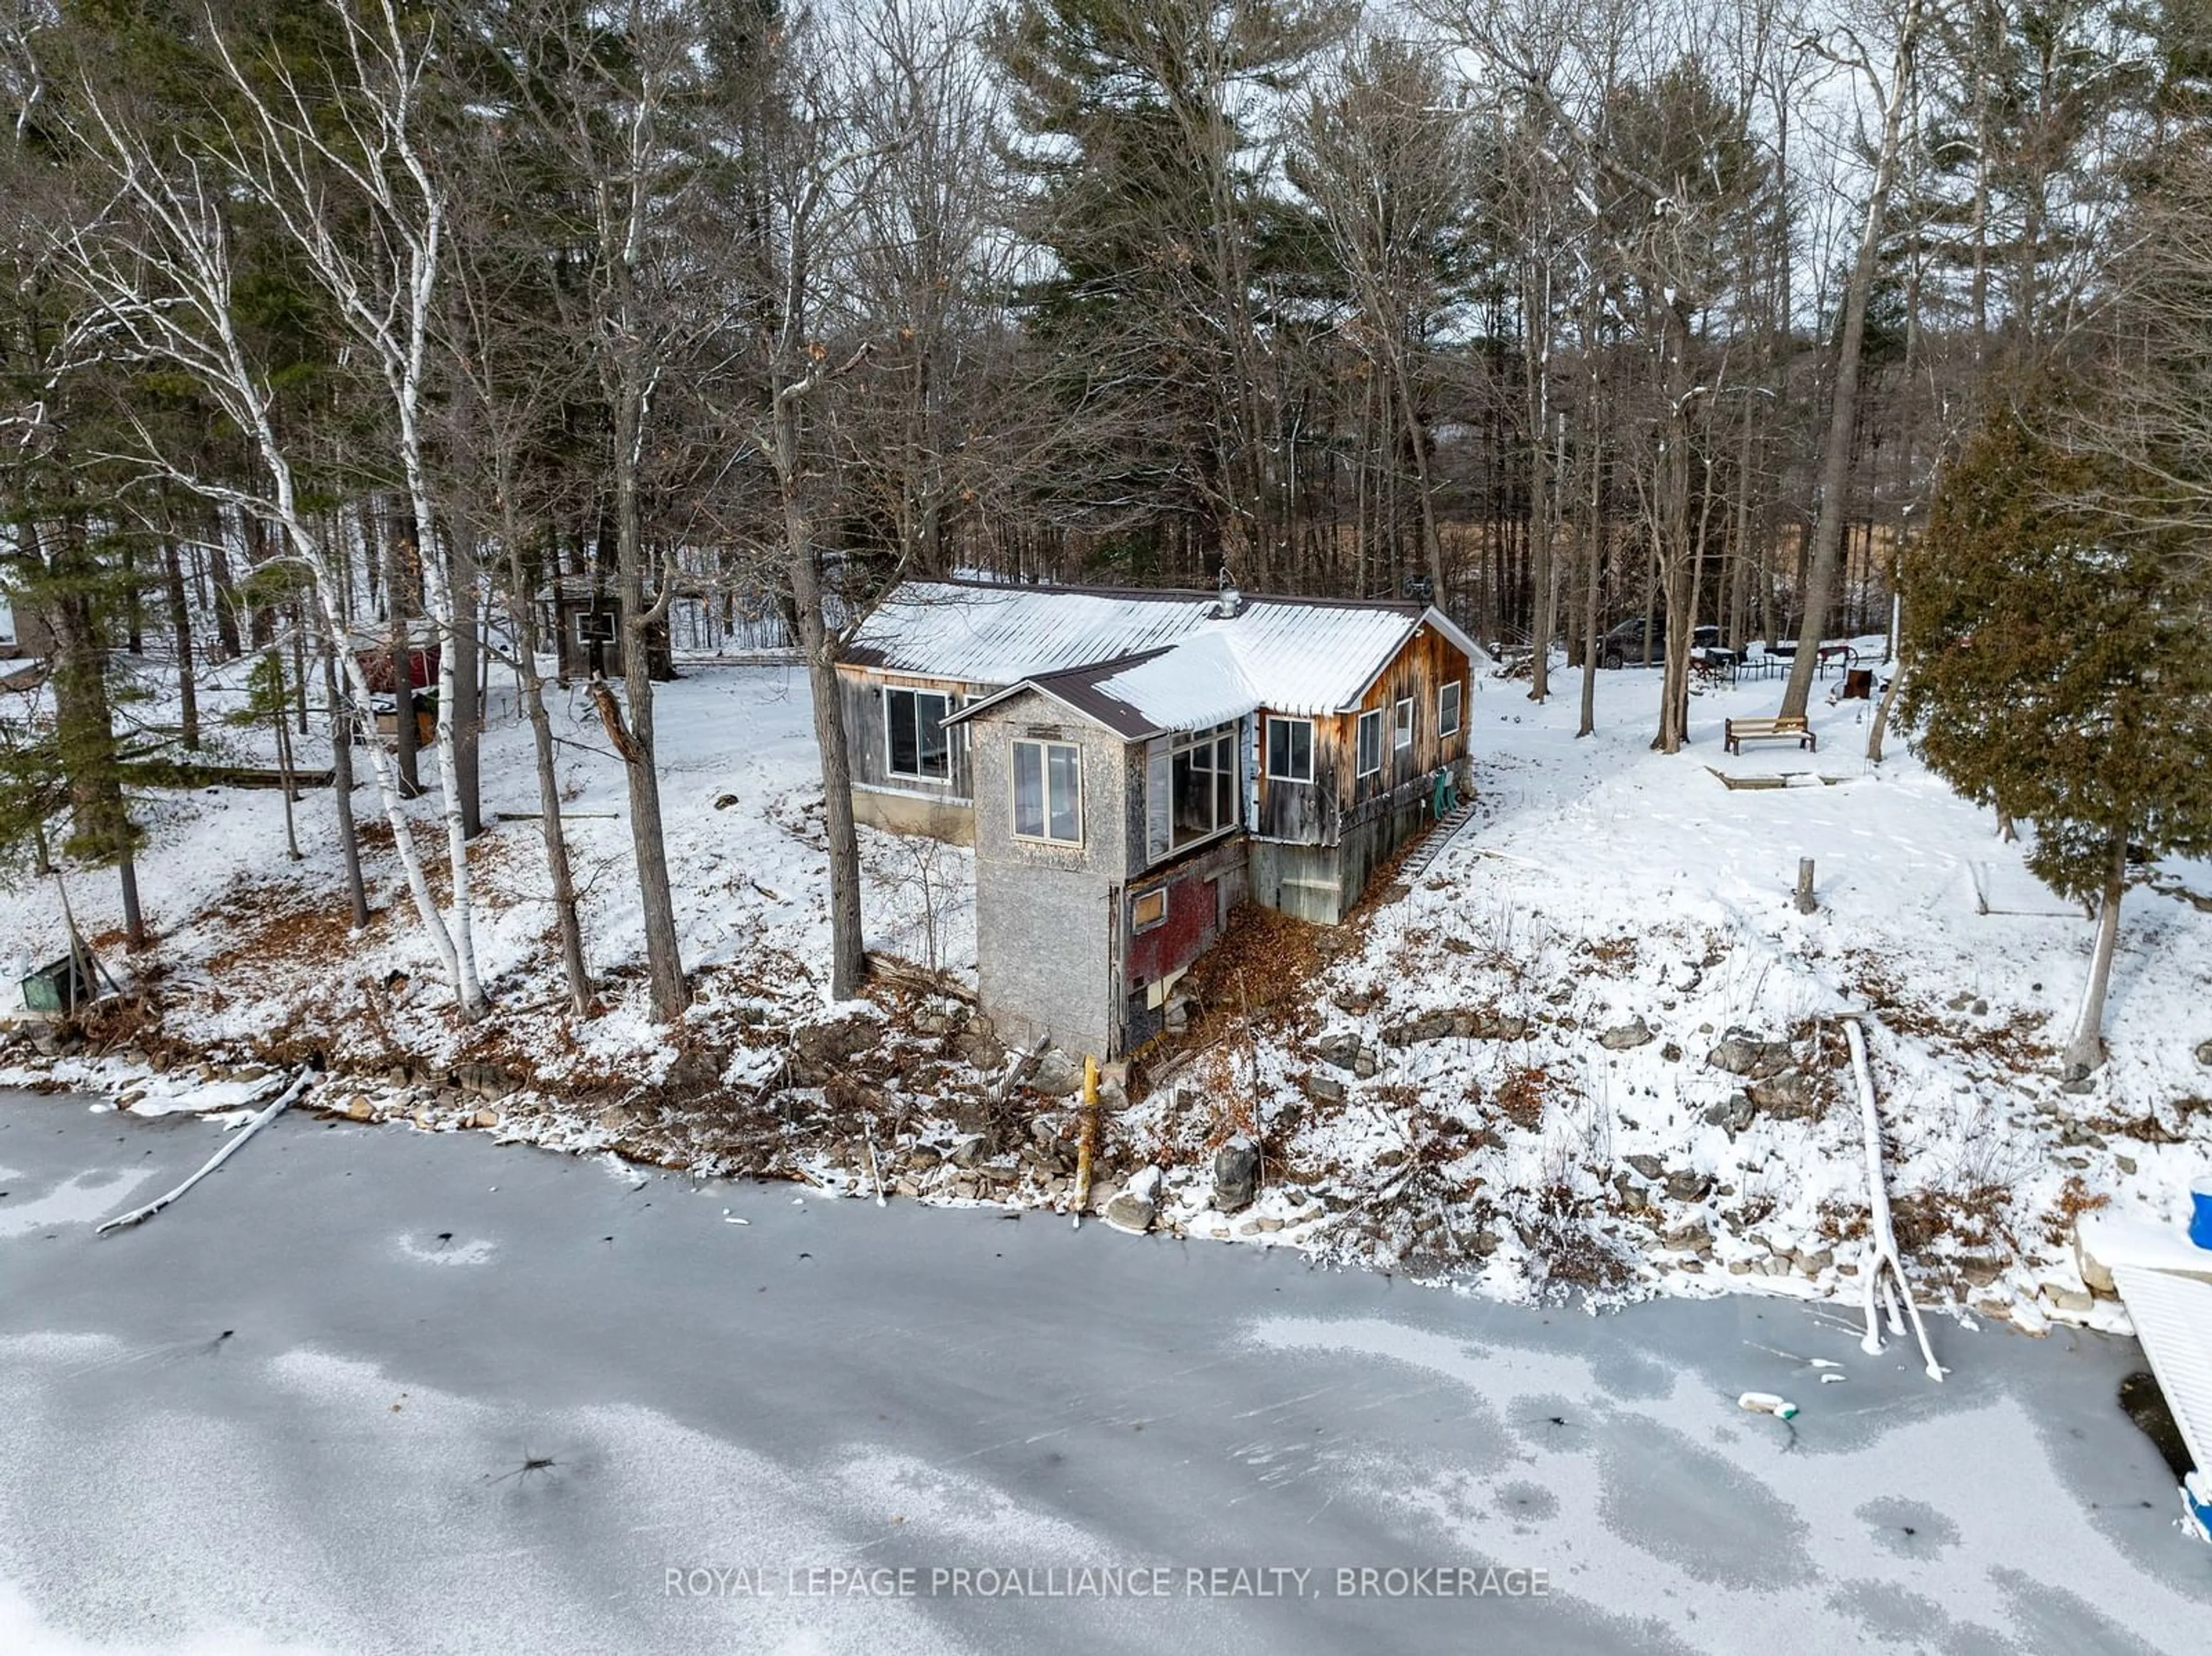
1819,587
225,598
343,726
2086,1050
523,614
664,960
180,622
847,962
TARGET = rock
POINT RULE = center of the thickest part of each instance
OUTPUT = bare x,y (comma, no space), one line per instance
1623,1037
922,1157
1671,1053
2125,1163
1980,1269
1236,1173
1365,1064
931,1023
1735,1113
1740,1052
1489,1025
1393,1157
399,1074
1688,1238
978,1048
2204,1053
616,1119
359,1108
485,1119
967,1150
1324,1089
1684,1185
1651,1167
1788,1096
1058,1075
484,1080
1980,1009
1134,1209
1338,1049
818,1051
689,1073
1429,1026
1775,1265
2073,1300
1740,1267
1270,1225
2079,1085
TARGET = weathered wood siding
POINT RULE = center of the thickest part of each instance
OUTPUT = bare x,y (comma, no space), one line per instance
1317,813
862,691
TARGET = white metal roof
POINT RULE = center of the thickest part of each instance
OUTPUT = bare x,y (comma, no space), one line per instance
2173,1317
1298,656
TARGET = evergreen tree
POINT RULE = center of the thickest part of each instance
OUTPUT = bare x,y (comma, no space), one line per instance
2058,672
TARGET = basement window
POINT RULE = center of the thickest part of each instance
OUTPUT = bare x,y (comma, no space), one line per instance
1371,743
1149,910
1048,792
914,738
1289,750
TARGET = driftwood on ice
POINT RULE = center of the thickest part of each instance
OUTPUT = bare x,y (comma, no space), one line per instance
270,1113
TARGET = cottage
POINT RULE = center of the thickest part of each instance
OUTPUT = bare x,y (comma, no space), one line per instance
1130,765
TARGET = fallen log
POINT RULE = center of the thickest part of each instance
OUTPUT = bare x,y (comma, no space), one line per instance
138,1216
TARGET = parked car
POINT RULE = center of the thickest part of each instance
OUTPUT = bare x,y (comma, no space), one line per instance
1624,645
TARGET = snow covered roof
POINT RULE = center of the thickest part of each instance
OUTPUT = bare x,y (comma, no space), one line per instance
1142,662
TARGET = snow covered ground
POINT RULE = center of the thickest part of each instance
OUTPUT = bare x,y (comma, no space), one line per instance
1506,1075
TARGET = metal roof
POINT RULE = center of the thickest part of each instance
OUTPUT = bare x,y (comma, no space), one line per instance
1142,662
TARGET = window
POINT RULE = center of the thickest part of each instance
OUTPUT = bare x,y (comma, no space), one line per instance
1371,743
1289,750
1149,910
1202,780
1402,727
1447,709
1048,792
595,627
914,734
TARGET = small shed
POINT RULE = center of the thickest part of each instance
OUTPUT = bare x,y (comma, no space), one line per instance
584,615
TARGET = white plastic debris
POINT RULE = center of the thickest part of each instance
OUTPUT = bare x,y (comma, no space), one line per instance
1765,1403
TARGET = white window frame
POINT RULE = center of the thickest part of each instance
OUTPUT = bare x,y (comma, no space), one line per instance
891,764
1457,690
606,617
1045,778
1209,741
1401,724
1359,744
1268,758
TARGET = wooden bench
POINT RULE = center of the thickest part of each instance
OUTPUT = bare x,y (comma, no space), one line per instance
1734,733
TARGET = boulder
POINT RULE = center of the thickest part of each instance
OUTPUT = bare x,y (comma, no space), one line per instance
359,1108
2204,1052
485,1119
1324,1089
1236,1173
1685,1185
1734,1113
818,1051
1058,1075
1366,1063
1623,1037
1130,1213
484,1080
1740,1052
1651,1167
1691,1238
1489,1024
1339,1049
978,1048
967,1150
1788,1096
1429,1026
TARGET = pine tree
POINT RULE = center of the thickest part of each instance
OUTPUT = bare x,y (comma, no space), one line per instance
2057,671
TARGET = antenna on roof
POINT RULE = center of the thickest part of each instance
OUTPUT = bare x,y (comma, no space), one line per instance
1231,602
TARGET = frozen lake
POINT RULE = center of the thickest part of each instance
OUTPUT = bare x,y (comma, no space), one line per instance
369,1391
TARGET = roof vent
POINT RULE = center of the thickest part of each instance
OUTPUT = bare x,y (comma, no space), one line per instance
1230,603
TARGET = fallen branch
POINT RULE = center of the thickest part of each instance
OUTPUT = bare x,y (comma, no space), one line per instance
137,1215
1881,1244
